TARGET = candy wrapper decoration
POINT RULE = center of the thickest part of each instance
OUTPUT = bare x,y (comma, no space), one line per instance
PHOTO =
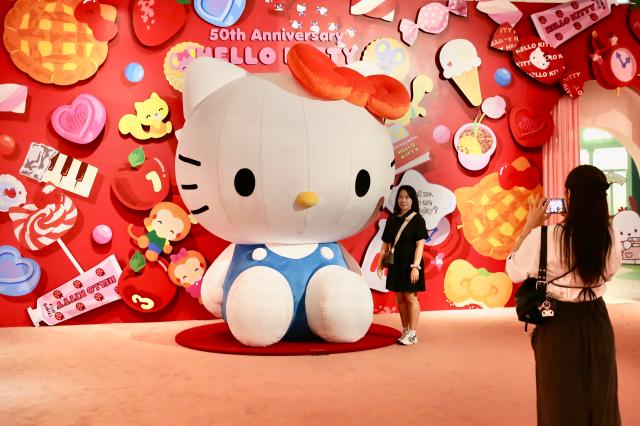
504,38
48,165
382,9
13,98
530,128
501,11
613,65
82,121
18,275
12,192
91,289
432,18
155,22
38,225
460,61
539,60
560,23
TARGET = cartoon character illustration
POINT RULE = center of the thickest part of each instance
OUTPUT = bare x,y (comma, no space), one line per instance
301,8
296,25
627,225
539,59
284,275
167,222
314,28
187,269
150,114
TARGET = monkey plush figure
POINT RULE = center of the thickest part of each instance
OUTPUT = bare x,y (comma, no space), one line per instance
167,222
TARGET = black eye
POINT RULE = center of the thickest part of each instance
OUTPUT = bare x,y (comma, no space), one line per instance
245,182
363,182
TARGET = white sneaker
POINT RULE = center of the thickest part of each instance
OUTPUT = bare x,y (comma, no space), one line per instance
404,333
409,339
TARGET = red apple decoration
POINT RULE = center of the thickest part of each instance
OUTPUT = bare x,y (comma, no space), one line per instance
141,183
147,290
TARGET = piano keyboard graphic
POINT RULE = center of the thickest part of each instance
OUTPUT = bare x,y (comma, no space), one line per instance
48,165
70,174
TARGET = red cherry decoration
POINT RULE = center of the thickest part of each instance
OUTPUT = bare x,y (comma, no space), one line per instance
7,145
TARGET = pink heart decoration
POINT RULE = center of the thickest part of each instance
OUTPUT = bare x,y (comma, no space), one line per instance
82,121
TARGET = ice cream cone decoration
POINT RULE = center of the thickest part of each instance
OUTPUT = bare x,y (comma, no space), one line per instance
460,61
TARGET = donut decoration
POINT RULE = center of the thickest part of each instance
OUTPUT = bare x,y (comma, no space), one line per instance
381,95
613,64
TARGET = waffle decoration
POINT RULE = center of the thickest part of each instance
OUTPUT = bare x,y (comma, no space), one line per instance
495,209
46,41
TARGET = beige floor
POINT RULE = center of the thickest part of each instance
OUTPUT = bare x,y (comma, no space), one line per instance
470,368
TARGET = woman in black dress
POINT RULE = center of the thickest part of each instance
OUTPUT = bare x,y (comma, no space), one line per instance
576,373
406,275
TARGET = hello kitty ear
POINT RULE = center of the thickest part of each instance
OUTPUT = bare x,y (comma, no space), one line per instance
203,77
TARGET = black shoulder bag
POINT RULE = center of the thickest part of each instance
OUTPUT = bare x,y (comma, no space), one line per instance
533,305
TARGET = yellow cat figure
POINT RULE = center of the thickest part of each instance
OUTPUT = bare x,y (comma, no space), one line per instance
150,114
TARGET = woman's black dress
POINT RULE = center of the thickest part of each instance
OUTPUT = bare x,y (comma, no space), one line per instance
399,275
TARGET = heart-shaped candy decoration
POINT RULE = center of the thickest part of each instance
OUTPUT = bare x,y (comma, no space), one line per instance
504,38
539,60
221,13
530,128
18,275
82,121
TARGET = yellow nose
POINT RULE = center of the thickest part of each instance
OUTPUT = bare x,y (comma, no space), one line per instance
307,199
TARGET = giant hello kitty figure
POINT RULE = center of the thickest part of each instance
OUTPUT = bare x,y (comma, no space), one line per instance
283,174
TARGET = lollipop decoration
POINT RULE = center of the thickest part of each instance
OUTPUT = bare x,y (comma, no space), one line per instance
44,222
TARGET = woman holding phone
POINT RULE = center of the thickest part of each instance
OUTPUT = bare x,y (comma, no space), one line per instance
576,373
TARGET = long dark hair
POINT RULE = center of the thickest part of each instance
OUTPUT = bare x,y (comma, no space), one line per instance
585,239
415,204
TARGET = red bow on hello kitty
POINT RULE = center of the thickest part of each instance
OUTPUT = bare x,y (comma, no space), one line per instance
381,95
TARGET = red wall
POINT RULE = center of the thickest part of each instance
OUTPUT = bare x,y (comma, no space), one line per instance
444,106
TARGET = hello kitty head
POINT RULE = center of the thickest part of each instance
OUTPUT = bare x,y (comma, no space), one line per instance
260,160
538,59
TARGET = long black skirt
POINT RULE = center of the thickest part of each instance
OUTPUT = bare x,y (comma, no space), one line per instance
576,374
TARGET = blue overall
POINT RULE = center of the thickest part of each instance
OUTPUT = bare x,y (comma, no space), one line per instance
296,271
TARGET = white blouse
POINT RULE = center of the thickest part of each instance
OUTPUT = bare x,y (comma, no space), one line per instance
523,264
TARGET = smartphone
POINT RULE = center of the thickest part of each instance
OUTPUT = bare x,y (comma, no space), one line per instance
556,206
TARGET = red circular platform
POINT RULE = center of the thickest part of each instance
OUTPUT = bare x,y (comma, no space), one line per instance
218,338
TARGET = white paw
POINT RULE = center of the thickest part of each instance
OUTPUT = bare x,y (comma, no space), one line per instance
339,304
259,307
213,281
